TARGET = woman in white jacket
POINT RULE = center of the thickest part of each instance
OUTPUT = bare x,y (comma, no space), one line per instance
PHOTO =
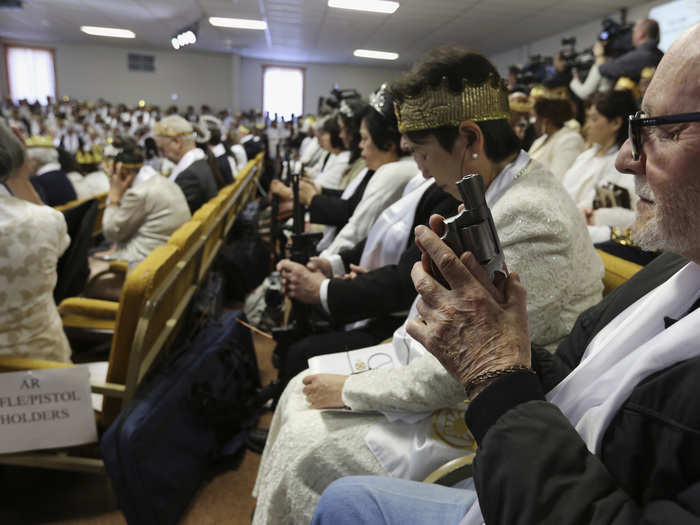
593,172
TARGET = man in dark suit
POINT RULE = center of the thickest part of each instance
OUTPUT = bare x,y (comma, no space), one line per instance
48,179
175,139
615,437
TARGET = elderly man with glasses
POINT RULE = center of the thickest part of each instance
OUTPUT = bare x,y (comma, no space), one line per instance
606,430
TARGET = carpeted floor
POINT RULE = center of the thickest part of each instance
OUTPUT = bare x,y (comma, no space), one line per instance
33,496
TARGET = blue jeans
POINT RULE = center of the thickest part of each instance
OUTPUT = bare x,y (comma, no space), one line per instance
375,500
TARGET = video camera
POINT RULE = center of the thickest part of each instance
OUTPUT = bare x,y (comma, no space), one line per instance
580,61
534,72
329,104
617,37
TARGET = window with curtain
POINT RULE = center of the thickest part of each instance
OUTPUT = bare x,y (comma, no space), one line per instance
283,91
30,72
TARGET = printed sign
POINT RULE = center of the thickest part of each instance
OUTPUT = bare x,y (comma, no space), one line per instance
46,409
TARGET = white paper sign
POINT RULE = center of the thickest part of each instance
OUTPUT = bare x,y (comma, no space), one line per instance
46,409
355,361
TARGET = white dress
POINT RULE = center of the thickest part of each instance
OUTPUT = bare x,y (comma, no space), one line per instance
559,151
384,188
33,239
545,240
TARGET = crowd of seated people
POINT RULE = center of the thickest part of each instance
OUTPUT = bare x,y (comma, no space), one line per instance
605,429
149,193
401,422
582,406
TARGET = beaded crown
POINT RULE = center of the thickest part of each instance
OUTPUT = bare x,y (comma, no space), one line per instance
440,106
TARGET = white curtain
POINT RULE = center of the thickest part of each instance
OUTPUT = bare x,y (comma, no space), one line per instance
31,74
283,92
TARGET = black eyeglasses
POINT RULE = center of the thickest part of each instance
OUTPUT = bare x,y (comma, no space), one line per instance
639,120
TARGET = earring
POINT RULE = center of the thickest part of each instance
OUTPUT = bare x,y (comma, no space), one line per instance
475,156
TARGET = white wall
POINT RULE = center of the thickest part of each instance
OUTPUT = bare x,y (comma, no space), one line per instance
585,34
98,71
319,80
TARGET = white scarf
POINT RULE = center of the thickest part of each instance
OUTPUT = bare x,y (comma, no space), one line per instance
186,161
390,232
630,348
330,232
405,444
389,235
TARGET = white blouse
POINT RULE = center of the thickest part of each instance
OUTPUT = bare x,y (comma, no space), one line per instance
332,172
34,238
557,152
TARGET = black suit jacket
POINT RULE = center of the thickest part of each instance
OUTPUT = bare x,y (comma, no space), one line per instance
330,209
54,188
532,466
388,289
197,183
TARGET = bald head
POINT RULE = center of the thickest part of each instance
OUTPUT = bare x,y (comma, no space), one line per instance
675,87
667,172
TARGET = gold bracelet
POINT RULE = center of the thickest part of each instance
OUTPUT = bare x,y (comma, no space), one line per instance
492,374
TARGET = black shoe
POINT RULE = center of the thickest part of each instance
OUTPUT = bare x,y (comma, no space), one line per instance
257,439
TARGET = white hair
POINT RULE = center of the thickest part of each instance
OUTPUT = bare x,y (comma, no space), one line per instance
43,155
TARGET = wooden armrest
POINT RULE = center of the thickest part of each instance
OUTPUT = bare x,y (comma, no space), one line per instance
17,364
452,471
97,308
119,266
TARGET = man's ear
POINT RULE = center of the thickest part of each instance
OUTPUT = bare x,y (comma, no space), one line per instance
472,136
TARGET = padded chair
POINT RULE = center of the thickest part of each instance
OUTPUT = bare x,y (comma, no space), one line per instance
617,271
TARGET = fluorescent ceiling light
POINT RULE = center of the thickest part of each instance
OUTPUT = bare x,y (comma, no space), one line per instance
381,55
373,6
107,31
238,23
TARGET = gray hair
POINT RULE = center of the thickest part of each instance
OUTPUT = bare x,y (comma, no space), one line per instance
11,152
43,155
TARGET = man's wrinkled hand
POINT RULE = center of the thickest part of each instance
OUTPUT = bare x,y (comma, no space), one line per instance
324,390
300,283
476,326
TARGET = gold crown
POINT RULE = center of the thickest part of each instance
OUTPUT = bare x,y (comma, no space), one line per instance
648,72
627,84
36,141
440,106
538,91
88,157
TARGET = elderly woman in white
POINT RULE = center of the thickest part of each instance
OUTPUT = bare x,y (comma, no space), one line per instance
405,421
594,169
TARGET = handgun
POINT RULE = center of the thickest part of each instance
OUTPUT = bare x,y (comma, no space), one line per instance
473,230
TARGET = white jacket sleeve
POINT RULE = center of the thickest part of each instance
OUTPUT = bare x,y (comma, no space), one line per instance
584,89
422,385
567,149
383,189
